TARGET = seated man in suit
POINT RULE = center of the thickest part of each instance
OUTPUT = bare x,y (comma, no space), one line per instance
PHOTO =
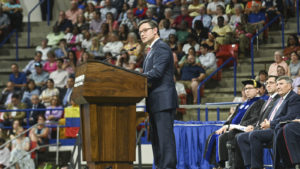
35,104
246,114
286,108
236,160
286,145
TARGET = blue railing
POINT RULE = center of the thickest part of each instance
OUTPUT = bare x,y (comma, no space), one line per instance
29,16
212,74
298,27
259,32
17,42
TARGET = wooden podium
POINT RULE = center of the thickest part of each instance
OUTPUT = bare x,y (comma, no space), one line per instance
107,96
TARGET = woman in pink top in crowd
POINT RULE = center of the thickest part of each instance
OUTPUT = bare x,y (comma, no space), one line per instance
51,65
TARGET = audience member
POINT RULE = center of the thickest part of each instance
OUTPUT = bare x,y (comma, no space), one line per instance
292,46
4,154
207,59
191,52
123,33
4,24
39,77
131,21
243,98
199,32
257,18
50,91
54,115
96,22
211,42
59,76
285,109
191,42
114,45
212,7
183,32
63,23
140,10
82,24
14,11
280,71
204,18
35,104
192,75
249,5
61,50
246,114
294,65
30,89
87,40
236,17
112,23
6,94
168,14
95,49
184,16
30,67
108,8
88,14
132,46
40,134
70,62
51,65
54,37
104,34
12,132
278,61
194,7
68,91
84,57
73,13
15,104
166,30
232,6
262,76
43,48
123,13
17,78
223,31
220,12
19,151
125,61
74,39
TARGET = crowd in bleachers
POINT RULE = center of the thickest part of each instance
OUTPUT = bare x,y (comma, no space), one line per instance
107,30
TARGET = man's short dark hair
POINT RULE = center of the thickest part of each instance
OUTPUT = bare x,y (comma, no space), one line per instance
151,22
204,45
271,76
264,72
16,96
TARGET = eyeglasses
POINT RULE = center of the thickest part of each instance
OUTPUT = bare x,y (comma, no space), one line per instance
144,31
249,88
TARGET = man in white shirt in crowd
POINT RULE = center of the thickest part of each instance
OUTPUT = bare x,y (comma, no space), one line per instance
207,59
114,45
60,76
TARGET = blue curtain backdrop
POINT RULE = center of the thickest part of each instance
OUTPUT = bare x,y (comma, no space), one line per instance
190,143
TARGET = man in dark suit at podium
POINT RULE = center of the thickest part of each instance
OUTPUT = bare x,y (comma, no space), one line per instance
162,97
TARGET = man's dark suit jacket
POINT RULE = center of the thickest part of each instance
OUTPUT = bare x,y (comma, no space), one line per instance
35,114
159,69
288,110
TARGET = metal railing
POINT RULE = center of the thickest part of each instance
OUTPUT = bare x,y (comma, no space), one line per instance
259,32
17,42
212,74
29,16
77,145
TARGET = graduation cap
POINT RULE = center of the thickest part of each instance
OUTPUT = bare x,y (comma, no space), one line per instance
253,82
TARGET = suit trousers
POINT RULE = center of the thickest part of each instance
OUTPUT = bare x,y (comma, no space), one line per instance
252,144
163,139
